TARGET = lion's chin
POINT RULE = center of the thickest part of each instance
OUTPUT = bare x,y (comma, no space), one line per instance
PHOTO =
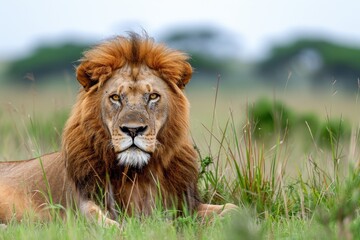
133,157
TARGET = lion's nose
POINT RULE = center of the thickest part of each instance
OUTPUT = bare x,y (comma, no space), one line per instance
133,131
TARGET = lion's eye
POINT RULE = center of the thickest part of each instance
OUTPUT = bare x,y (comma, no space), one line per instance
154,97
115,98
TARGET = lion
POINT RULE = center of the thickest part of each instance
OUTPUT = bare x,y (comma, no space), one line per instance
125,146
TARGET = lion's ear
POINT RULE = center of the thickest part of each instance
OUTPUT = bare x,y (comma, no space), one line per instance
83,77
186,75
89,74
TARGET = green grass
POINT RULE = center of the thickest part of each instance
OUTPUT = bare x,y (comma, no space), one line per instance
288,185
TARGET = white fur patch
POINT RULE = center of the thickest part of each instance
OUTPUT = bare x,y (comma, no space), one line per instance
133,157
141,143
126,143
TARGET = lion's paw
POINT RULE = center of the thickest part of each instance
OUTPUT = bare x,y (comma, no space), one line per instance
229,208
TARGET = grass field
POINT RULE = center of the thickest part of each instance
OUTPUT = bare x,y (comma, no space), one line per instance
288,185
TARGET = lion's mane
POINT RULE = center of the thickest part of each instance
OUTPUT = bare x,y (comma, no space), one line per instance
89,158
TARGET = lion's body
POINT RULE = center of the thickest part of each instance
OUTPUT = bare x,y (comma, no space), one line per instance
24,188
126,144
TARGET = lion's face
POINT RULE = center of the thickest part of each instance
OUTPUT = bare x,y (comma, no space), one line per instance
133,112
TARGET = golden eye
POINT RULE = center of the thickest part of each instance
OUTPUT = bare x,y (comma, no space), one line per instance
153,96
115,97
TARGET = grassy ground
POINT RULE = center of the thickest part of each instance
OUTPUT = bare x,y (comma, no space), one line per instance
287,186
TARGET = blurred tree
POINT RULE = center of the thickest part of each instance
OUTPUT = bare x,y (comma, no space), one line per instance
210,49
318,60
45,61
271,118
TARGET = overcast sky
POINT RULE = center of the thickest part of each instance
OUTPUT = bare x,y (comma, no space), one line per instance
256,24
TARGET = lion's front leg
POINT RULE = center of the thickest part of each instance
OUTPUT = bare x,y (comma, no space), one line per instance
205,210
92,211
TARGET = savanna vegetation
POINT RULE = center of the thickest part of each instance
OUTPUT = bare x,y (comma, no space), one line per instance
293,173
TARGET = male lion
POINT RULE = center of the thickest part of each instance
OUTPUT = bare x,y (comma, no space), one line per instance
125,146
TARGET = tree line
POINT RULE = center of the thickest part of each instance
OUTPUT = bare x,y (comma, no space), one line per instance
212,52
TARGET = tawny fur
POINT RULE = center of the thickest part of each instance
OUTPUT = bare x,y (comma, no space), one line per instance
86,172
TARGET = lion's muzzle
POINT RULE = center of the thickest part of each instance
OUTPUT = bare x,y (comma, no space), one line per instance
135,146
